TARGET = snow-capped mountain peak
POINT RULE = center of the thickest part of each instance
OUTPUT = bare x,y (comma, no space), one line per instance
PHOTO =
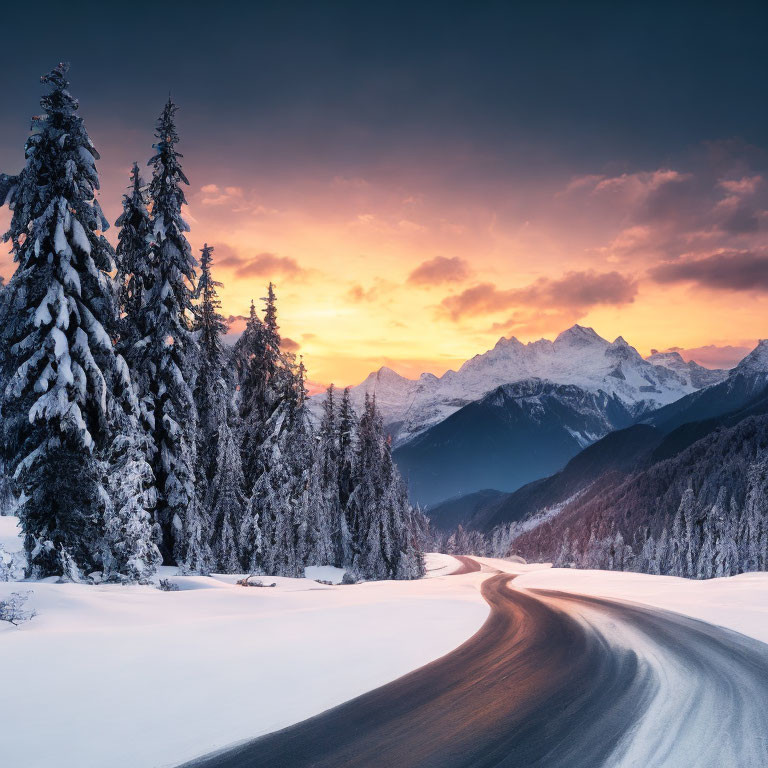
579,336
578,356
756,361
694,374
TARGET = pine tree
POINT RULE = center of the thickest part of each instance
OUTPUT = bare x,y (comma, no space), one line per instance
135,271
271,504
256,399
7,492
211,388
60,367
226,502
677,541
383,525
306,493
328,466
724,544
648,561
706,558
131,552
690,540
162,360
346,430
661,561
755,527
563,559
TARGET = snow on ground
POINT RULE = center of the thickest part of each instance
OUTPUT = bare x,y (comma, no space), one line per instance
737,602
10,541
325,573
133,677
440,565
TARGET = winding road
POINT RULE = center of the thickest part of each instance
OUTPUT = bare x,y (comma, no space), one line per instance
551,679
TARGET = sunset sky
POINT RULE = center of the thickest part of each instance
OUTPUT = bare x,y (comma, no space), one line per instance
419,183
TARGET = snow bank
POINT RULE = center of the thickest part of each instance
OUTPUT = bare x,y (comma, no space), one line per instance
324,573
10,540
440,565
737,602
140,678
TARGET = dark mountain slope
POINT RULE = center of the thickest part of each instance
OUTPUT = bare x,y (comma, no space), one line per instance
647,499
617,454
517,433
458,511
660,437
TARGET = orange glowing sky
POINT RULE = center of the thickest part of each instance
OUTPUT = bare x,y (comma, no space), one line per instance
406,272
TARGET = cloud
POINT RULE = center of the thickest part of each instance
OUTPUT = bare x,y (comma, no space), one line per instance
440,270
575,290
358,293
378,290
261,265
716,201
213,194
289,345
535,321
734,271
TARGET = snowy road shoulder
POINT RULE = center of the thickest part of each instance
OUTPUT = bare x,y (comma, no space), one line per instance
739,603
178,674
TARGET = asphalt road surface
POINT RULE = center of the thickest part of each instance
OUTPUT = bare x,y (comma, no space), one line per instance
550,679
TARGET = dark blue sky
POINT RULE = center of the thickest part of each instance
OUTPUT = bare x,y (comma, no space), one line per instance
528,84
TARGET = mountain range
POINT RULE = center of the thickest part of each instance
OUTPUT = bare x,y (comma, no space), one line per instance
633,476
519,411
578,356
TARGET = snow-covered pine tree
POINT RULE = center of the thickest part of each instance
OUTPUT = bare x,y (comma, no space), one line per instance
270,505
386,544
255,398
346,430
724,560
689,549
135,271
270,391
226,501
328,465
647,560
662,553
7,496
130,548
210,387
60,367
304,491
706,558
131,535
755,522
677,543
162,359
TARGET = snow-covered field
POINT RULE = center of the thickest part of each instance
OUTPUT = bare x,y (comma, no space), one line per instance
132,677
140,678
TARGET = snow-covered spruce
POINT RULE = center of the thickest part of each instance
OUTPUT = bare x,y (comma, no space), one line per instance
385,539
162,360
211,394
135,271
64,384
